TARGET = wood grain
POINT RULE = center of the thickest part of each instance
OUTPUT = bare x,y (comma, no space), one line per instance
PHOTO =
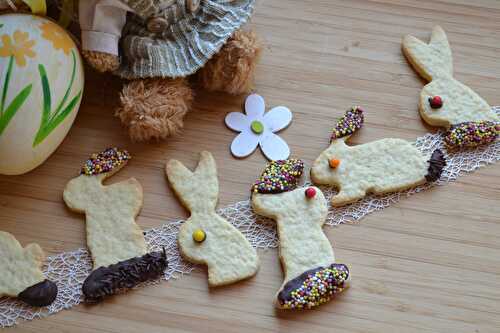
430,263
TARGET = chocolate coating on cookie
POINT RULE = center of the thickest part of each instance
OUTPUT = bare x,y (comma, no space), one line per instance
104,161
471,134
351,121
279,176
314,287
436,164
125,274
40,294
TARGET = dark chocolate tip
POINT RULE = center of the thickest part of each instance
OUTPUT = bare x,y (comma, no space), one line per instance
471,134
123,275
436,164
279,176
294,285
350,122
40,294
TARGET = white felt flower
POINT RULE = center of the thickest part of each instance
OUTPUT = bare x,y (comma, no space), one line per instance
257,127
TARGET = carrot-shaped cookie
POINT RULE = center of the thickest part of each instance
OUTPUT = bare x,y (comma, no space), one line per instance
378,167
115,241
312,276
444,101
207,238
21,275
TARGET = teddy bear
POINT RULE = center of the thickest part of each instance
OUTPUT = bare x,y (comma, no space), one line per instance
164,48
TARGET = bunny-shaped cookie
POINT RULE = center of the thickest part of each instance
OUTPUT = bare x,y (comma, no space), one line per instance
308,261
444,101
206,238
21,275
110,211
378,167
115,241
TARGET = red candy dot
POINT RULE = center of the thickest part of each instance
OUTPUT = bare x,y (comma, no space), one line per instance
310,193
436,102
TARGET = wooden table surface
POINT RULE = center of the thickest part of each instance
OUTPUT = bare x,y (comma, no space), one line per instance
428,263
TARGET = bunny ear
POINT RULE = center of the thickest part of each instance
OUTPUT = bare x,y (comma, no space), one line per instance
279,176
177,172
350,122
439,42
438,37
35,252
430,60
107,162
206,166
198,190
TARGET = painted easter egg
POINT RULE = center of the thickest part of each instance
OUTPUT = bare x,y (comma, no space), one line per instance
41,86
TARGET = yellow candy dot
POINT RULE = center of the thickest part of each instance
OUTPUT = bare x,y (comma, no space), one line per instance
199,235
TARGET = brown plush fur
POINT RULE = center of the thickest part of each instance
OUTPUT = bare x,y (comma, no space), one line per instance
102,62
154,108
232,69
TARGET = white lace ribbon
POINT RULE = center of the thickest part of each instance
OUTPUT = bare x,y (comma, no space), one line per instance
69,269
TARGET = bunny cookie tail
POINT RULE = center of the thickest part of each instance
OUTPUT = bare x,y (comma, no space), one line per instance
125,274
40,294
436,164
471,134
314,287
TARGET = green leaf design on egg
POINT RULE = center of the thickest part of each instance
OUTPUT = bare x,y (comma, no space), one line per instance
7,113
50,120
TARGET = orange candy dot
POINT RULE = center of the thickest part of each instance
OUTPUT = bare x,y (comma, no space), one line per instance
334,163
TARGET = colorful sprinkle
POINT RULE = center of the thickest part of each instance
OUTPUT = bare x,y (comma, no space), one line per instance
436,102
310,192
471,134
104,161
314,287
199,236
279,176
349,123
334,163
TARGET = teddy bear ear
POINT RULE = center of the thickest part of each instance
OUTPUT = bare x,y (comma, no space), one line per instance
192,5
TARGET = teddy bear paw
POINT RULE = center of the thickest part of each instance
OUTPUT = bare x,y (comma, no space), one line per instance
232,69
102,62
154,108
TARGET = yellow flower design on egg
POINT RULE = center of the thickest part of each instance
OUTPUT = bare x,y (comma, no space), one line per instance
57,36
20,48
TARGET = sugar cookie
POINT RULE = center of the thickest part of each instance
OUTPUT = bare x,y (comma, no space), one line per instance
311,275
206,238
21,275
378,167
444,101
115,241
